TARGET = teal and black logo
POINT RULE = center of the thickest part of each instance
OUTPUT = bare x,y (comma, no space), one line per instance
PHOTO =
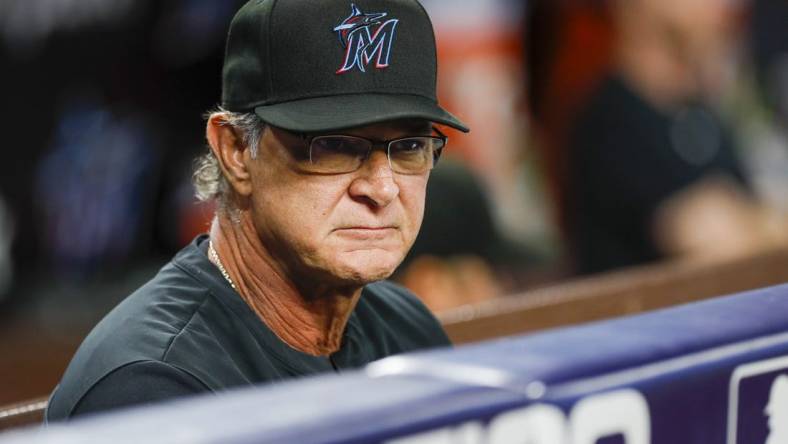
366,37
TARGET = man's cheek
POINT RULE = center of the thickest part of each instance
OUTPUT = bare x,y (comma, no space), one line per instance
416,219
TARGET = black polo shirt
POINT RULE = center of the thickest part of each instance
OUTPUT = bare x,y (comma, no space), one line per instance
187,331
626,158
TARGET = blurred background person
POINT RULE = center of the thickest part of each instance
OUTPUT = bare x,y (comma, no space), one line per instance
461,255
646,167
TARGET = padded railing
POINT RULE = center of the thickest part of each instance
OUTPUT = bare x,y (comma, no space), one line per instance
708,372
599,297
613,294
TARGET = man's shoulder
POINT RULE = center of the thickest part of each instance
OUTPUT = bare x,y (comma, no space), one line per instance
146,323
390,311
160,317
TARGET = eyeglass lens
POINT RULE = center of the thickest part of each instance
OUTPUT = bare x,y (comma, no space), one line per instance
342,154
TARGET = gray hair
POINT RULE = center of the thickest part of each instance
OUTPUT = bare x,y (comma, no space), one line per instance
209,182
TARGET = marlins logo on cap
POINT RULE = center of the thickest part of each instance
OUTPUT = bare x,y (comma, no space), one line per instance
361,44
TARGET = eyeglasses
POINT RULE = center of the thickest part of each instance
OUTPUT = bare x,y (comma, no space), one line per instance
337,154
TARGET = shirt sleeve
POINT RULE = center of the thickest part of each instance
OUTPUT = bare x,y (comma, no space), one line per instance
138,383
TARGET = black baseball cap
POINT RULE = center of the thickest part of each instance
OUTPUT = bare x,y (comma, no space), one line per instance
323,65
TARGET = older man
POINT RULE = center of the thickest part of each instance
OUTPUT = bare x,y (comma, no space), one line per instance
319,159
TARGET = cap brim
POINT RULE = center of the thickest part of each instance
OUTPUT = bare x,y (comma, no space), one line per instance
332,113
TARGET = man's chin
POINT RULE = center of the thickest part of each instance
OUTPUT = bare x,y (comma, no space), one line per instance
362,269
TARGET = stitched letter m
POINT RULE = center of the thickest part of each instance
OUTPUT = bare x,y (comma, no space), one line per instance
363,46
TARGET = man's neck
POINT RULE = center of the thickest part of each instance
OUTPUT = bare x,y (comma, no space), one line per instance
314,323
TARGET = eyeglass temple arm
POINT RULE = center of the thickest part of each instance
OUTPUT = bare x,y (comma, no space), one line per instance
437,154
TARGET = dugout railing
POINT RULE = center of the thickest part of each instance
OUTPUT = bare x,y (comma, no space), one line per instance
613,294
593,298
714,371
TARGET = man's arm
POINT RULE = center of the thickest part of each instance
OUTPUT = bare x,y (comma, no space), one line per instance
138,383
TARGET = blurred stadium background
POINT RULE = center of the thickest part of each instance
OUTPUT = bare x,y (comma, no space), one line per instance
102,116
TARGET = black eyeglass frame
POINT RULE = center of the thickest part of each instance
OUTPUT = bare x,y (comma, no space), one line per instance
384,144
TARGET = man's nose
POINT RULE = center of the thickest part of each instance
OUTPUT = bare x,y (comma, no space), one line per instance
375,182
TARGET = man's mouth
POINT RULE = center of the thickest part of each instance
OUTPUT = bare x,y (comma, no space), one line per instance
366,232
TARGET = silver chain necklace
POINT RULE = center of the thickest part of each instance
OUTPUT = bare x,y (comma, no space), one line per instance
214,256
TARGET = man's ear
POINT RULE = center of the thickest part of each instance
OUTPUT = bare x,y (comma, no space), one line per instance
231,153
